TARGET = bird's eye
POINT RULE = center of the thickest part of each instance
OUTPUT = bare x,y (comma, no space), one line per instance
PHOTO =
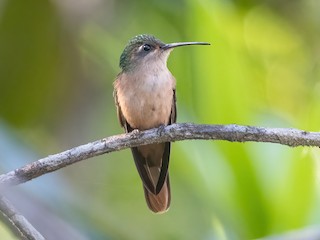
146,47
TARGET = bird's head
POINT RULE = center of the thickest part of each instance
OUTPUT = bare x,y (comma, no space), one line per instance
146,49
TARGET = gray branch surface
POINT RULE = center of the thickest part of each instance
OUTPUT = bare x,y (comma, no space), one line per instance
175,132
19,224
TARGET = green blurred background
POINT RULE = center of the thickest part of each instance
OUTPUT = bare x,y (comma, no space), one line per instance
58,60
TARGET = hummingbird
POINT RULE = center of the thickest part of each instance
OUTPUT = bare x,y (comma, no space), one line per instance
145,98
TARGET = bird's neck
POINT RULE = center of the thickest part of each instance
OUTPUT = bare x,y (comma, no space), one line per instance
148,68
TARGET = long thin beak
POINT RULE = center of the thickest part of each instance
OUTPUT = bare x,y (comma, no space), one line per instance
179,44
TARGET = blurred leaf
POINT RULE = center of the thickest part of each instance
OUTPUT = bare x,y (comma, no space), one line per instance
31,65
57,65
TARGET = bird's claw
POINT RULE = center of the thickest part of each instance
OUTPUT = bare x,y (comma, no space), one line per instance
160,129
135,133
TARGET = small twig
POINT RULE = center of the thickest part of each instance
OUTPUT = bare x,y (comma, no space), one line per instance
19,224
175,132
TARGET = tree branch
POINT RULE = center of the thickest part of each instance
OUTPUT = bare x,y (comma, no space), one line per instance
171,133
19,224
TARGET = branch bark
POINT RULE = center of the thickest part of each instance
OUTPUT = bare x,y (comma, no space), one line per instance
175,132
19,224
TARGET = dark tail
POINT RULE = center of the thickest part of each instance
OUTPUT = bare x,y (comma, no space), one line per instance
159,203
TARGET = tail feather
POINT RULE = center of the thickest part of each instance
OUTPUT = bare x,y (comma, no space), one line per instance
159,203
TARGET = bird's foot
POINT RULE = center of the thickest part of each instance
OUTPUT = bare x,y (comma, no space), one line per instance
135,133
160,129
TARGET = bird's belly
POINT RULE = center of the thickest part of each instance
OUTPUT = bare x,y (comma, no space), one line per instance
149,111
148,105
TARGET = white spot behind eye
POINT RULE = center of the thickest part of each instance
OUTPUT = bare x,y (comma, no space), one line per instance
145,48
